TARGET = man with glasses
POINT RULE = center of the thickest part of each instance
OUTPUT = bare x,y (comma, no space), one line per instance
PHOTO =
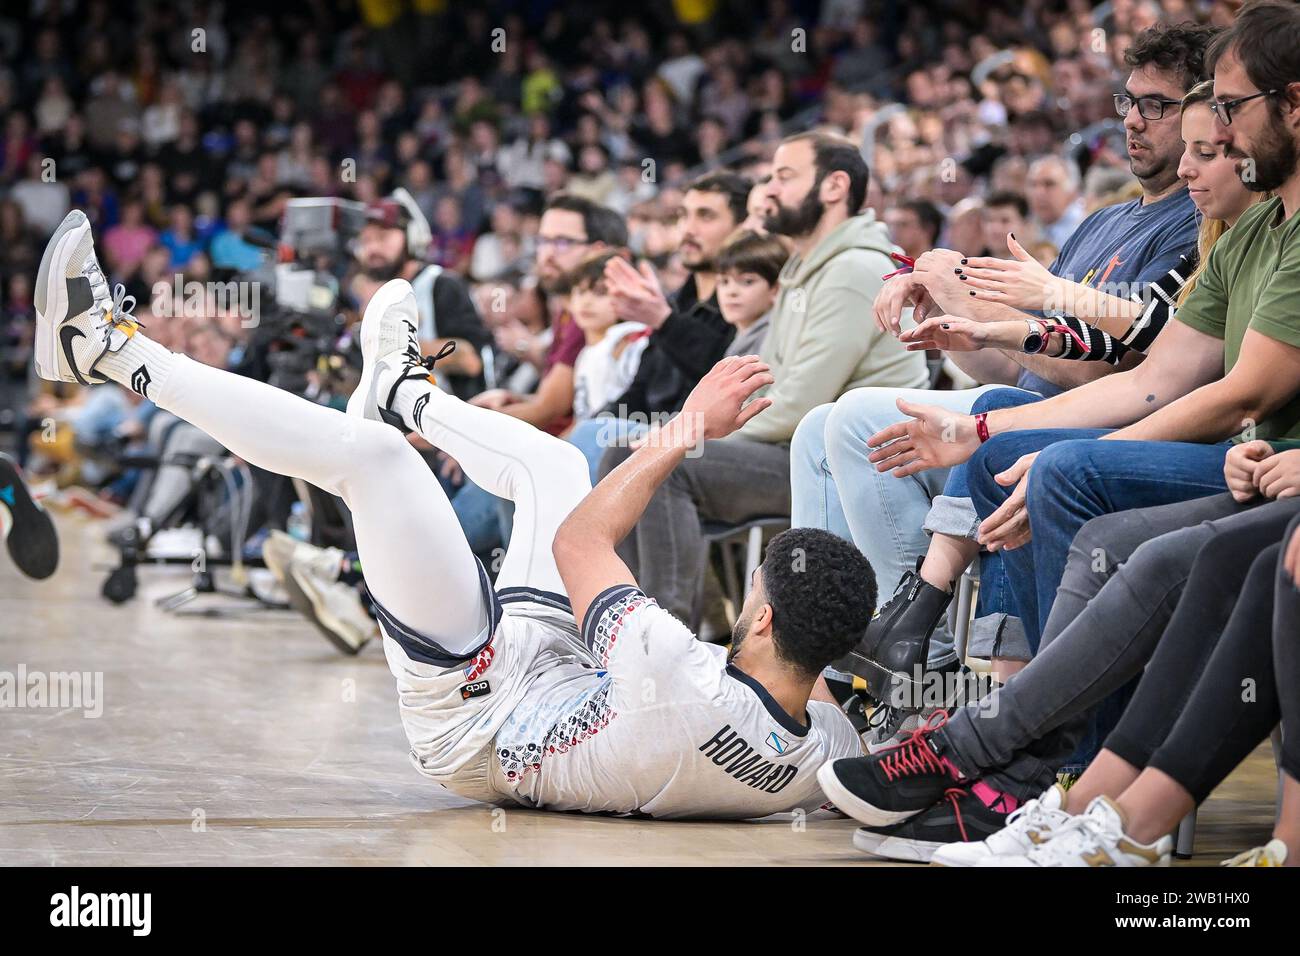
571,228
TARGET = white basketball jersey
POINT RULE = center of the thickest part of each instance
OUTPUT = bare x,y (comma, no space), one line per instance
649,720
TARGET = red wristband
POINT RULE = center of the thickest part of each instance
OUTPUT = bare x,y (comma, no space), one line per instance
982,426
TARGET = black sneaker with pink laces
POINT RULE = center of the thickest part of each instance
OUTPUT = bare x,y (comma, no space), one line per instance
893,784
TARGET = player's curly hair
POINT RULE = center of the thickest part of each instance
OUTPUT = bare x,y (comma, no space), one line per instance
822,591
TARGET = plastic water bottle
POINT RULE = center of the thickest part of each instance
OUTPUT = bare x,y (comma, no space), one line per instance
299,525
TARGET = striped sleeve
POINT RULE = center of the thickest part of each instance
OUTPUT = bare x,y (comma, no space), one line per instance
1159,300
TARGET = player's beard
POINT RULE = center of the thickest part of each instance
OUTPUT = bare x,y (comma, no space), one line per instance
739,632
799,221
381,270
1275,158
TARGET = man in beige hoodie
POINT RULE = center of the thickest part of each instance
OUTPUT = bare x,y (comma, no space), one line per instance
822,342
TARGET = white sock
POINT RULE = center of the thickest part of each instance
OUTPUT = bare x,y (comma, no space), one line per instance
409,395
141,365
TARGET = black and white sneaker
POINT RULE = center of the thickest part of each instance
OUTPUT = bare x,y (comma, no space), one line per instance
958,817
33,543
78,318
893,784
390,353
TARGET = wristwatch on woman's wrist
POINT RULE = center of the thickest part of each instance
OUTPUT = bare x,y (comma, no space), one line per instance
1036,340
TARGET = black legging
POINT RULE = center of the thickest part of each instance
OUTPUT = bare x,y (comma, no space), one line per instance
1197,715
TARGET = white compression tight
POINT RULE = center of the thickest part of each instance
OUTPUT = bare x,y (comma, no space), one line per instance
415,557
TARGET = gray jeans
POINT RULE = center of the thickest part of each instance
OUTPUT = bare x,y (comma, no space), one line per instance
733,480
1124,578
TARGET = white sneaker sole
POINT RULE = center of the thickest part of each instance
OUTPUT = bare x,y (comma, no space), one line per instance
277,553
855,807
364,402
956,858
335,630
50,296
892,848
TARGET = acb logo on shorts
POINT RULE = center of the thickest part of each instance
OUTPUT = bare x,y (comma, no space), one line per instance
475,668
478,688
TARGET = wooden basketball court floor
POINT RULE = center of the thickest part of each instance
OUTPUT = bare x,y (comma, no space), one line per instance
249,740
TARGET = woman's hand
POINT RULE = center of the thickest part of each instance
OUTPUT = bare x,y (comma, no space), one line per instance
1022,282
953,333
1278,476
1291,559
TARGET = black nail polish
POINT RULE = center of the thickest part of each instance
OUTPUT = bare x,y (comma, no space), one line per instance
1013,236
958,271
972,291
963,278
963,262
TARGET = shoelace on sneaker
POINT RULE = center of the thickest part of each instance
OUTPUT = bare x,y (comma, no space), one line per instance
1078,834
913,755
113,304
418,366
1029,815
953,795
119,310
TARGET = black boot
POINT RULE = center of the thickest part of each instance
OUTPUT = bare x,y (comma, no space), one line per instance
892,654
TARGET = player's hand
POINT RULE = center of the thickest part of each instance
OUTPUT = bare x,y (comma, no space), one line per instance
1022,282
897,294
1278,476
933,437
637,294
1008,527
1240,466
716,406
954,333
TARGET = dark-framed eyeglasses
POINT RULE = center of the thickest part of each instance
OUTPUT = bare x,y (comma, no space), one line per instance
1223,108
561,243
1149,107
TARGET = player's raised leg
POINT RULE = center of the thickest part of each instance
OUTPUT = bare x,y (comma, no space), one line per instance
544,476
418,564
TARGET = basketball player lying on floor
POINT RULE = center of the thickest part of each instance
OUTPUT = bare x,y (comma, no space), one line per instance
502,698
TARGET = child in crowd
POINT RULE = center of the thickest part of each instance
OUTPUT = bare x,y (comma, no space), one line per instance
748,265
607,363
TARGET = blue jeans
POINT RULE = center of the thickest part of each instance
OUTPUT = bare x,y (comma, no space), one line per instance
595,435
1074,479
996,630
835,488
479,513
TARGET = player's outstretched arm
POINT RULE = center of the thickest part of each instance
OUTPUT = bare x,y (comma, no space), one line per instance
584,544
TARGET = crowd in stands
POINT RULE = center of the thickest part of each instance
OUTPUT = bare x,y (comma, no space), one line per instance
974,246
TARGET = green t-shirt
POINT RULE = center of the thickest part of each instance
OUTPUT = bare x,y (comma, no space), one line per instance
1251,280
